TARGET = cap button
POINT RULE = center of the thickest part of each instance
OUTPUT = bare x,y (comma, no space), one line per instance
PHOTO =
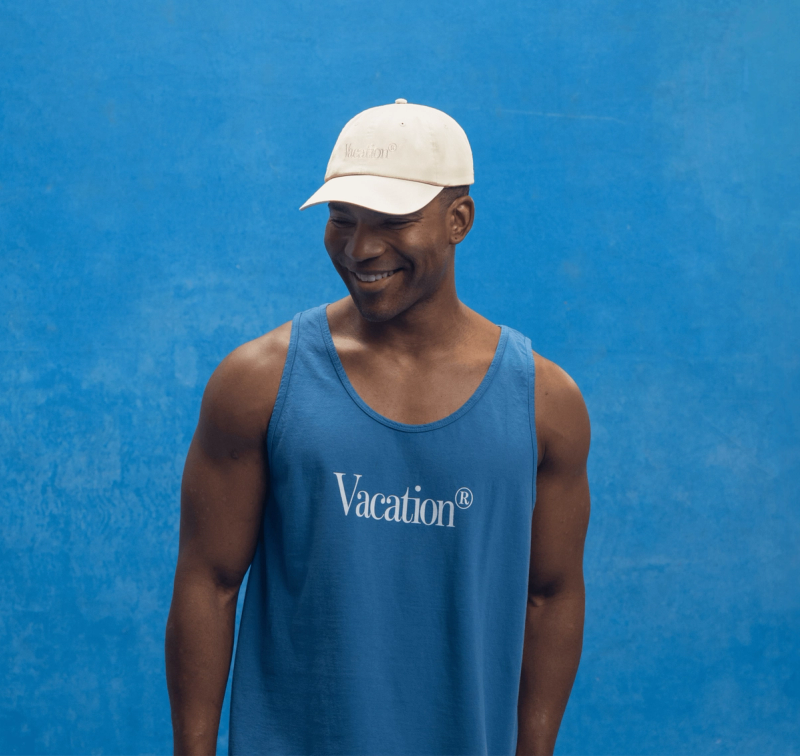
400,101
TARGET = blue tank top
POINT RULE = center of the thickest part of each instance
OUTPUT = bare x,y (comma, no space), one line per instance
385,608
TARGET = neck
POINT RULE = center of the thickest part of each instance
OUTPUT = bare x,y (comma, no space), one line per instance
430,325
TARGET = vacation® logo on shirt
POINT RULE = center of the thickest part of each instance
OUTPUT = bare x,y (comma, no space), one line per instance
394,508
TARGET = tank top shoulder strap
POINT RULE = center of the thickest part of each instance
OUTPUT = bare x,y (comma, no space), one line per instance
519,352
286,374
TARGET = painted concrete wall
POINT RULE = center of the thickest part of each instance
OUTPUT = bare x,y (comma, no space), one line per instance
638,180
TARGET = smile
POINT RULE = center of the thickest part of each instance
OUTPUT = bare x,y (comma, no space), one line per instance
370,277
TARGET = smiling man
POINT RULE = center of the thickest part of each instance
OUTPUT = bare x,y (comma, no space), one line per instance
406,481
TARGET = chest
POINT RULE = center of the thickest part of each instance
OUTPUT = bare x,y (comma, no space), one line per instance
415,391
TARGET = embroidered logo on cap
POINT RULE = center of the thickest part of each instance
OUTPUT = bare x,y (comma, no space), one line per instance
369,152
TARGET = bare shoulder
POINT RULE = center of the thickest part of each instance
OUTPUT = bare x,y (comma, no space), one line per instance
562,420
240,395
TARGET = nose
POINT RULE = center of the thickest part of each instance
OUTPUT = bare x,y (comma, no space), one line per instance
364,244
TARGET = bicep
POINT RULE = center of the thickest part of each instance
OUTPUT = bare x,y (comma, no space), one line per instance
225,478
221,506
561,514
558,531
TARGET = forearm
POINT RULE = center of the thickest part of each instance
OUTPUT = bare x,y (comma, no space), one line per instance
552,651
198,646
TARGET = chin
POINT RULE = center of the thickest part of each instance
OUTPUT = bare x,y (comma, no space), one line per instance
376,312
377,309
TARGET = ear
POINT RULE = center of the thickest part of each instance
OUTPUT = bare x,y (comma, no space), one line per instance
460,216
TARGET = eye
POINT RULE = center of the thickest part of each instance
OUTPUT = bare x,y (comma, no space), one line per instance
340,222
399,223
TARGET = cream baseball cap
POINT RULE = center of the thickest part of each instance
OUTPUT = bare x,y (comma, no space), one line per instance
395,159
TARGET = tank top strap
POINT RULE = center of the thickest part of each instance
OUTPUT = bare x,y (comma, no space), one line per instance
519,352
307,371
283,388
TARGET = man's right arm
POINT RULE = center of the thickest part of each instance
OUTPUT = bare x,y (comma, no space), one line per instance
224,486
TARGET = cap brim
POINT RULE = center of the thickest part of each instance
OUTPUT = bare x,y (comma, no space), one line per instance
384,195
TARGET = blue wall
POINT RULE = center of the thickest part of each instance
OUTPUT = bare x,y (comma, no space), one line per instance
638,186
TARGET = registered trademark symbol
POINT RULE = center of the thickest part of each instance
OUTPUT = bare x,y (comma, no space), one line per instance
463,497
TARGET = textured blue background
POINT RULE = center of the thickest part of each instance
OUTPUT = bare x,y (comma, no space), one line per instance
638,186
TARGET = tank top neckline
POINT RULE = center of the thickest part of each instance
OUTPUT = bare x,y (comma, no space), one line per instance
322,320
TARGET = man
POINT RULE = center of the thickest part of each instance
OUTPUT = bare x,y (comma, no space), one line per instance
375,463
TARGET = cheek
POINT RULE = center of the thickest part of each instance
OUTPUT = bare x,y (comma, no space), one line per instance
426,252
331,239
428,238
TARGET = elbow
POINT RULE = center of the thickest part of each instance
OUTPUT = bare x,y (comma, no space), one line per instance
556,591
227,585
207,582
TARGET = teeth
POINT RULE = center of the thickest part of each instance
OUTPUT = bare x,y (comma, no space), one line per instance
372,277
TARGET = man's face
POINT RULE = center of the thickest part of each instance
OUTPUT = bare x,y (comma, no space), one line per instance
415,251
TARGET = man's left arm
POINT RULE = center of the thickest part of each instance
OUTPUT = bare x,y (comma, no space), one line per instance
554,621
